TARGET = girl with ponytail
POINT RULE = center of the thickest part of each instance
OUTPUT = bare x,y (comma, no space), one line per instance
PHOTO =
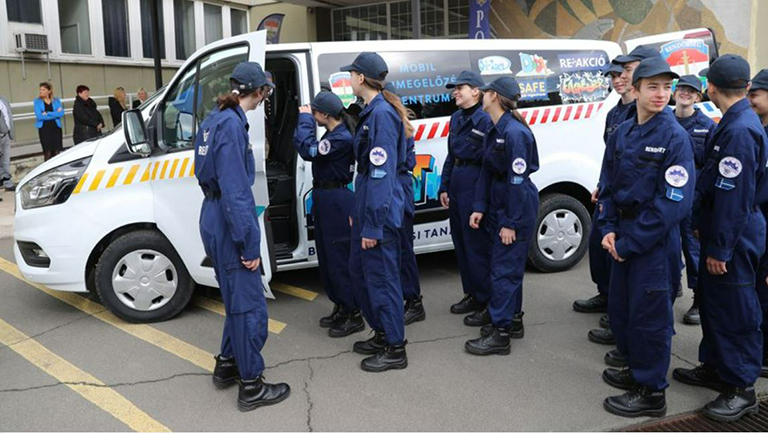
507,195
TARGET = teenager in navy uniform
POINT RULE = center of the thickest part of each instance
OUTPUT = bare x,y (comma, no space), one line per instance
599,260
648,181
758,98
377,215
461,170
409,270
333,164
229,227
509,201
732,234
700,128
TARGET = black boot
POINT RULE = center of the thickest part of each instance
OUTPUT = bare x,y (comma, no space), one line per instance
641,401
601,336
257,393
615,359
703,376
331,319
595,304
370,346
622,379
605,322
466,305
414,311
692,316
350,322
516,331
225,373
732,404
478,318
390,358
497,342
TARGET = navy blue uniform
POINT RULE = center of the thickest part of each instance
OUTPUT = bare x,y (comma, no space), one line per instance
732,229
762,288
648,181
460,174
700,128
333,162
380,144
507,198
409,271
229,227
599,259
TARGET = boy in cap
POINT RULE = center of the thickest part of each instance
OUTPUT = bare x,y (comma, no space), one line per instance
647,189
732,235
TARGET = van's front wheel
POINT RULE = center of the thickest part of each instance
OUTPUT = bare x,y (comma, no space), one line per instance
141,278
562,233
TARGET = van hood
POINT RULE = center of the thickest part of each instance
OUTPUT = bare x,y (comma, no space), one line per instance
80,151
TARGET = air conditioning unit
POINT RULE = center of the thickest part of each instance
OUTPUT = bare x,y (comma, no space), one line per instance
31,43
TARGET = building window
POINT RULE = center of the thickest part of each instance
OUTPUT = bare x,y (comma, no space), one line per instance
239,21
458,18
146,28
24,11
400,20
74,26
115,19
214,29
432,18
363,23
184,18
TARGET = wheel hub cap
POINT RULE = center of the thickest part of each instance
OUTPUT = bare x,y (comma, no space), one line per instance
144,280
560,234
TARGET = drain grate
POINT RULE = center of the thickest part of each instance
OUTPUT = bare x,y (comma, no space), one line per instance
694,422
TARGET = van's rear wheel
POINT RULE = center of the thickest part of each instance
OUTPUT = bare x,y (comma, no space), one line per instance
562,234
141,278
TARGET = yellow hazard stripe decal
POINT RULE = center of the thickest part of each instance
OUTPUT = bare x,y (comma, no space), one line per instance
128,174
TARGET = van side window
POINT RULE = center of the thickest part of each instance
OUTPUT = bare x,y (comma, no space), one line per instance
194,96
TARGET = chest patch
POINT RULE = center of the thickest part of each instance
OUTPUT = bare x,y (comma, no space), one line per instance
730,167
519,166
202,150
676,176
324,147
378,156
651,149
478,133
500,140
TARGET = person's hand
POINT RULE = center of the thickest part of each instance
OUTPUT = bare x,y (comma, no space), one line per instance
474,220
100,126
305,109
595,195
251,265
716,267
696,234
444,200
60,109
609,244
508,236
350,221
369,243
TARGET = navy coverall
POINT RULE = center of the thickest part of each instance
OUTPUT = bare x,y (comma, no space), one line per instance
507,198
762,288
648,182
409,271
333,163
229,227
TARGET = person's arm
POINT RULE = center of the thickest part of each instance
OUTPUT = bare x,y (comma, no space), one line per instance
670,205
236,195
384,136
304,137
58,109
519,148
81,115
445,175
607,219
40,112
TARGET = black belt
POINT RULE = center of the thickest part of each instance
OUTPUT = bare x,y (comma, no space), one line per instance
467,162
328,184
212,194
626,213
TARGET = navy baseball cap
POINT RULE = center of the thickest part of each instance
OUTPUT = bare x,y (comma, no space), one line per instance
690,81
467,77
652,67
504,86
328,103
250,76
760,81
729,71
613,68
370,65
641,52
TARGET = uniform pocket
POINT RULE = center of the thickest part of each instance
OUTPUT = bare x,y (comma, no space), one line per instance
244,288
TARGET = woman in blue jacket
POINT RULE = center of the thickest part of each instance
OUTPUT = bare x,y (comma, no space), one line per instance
49,112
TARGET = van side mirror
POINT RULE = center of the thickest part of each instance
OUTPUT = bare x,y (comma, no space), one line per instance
136,137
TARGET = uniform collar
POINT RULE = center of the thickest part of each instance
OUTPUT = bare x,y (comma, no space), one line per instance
734,112
660,118
478,114
502,123
240,114
375,101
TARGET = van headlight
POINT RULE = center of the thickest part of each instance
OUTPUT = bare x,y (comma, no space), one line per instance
53,186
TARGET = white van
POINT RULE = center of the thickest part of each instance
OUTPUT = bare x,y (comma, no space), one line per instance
122,218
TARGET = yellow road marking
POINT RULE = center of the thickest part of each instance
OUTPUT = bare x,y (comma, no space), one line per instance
105,398
96,180
115,175
293,291
217,307
167,342
80,184
173,168
131,174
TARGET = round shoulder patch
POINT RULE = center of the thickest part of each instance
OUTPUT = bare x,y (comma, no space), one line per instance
324,147
378,156
519,166
730,167
676,176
